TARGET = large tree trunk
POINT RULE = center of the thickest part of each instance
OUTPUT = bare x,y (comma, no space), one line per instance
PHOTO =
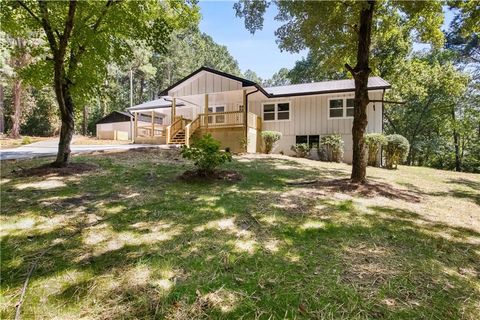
66,106
17,108
2,119
458,164
360,74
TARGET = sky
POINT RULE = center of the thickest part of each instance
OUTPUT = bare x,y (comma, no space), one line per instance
258,52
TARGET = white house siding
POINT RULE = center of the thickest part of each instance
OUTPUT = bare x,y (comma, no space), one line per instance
106,130
309,116
205,82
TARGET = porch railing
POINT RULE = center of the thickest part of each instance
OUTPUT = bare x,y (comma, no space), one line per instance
221,119
190,129
176,126
254,121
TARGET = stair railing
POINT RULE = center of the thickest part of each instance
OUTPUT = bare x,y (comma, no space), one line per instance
176,126
190,129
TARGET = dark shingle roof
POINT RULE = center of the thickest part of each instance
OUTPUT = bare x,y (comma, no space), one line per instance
325,87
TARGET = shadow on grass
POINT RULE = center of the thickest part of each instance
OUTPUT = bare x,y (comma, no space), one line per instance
225,250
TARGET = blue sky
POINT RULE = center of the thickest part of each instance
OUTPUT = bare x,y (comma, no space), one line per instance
258,52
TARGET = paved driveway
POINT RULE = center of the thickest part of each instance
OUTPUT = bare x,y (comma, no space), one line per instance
49,148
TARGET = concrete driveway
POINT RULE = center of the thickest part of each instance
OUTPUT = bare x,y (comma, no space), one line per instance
49,148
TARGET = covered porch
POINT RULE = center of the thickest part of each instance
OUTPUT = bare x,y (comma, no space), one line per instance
178,119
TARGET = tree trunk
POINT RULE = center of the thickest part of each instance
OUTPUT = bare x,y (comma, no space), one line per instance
2,119
458,164
17,108
84,124
360,74
66,106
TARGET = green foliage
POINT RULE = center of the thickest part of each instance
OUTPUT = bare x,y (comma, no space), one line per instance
302,150
270,138
396,150
331,148
26,140
206,154
279,78
374,142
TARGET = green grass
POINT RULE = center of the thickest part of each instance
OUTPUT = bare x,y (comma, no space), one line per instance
258,248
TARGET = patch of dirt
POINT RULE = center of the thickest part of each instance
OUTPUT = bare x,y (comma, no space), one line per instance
368,189
225,175
49,170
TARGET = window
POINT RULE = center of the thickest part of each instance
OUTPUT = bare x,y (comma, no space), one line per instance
276,111
312,140
341,108
301,139
268,112
283,111
336,108
349,107
217,118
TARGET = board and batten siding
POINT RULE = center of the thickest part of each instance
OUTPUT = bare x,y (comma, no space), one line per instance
309,116
205,82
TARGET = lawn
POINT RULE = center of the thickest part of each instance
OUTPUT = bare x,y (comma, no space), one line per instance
129,239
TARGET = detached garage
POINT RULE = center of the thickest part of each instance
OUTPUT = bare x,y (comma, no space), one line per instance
115,126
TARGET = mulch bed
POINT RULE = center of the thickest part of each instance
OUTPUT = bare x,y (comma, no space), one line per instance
225,175
48,170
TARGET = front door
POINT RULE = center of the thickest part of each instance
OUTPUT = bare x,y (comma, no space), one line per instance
216,119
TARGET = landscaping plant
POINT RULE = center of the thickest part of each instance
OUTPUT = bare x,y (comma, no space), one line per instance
331,148
302,150
396,150
206,154
270,138
374,142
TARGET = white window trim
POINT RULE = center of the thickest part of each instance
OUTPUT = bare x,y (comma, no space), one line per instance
275,103
344,109
215,107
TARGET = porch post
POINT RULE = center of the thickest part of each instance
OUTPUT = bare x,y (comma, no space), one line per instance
153,124
174,105
206,110
135,130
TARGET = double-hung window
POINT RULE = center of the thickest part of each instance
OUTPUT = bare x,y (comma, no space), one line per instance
276,111
311,140
340,108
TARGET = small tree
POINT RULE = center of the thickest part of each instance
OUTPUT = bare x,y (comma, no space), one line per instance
270,138
206,154
301,150
374,142
396,150
331,148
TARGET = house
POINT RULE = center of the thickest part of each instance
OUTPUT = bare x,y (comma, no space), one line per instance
236,110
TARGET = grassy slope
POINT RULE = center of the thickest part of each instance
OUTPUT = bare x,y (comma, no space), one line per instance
250,249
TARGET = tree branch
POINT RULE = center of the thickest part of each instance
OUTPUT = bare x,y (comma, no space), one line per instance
29,11
47,27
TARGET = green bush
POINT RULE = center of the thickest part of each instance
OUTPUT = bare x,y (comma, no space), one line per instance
26,140
270,138
206,154
396,150
374,142
331,148
302,150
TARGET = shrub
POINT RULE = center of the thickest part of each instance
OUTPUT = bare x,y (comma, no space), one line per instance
302,150
270,138
206,154
396,150
374,142
331,148
26,140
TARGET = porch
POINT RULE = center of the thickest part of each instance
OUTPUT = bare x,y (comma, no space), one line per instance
236,129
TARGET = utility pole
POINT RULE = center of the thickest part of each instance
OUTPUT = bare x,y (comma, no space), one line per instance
131,88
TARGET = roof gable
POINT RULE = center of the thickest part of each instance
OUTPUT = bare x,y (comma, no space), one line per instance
211,82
